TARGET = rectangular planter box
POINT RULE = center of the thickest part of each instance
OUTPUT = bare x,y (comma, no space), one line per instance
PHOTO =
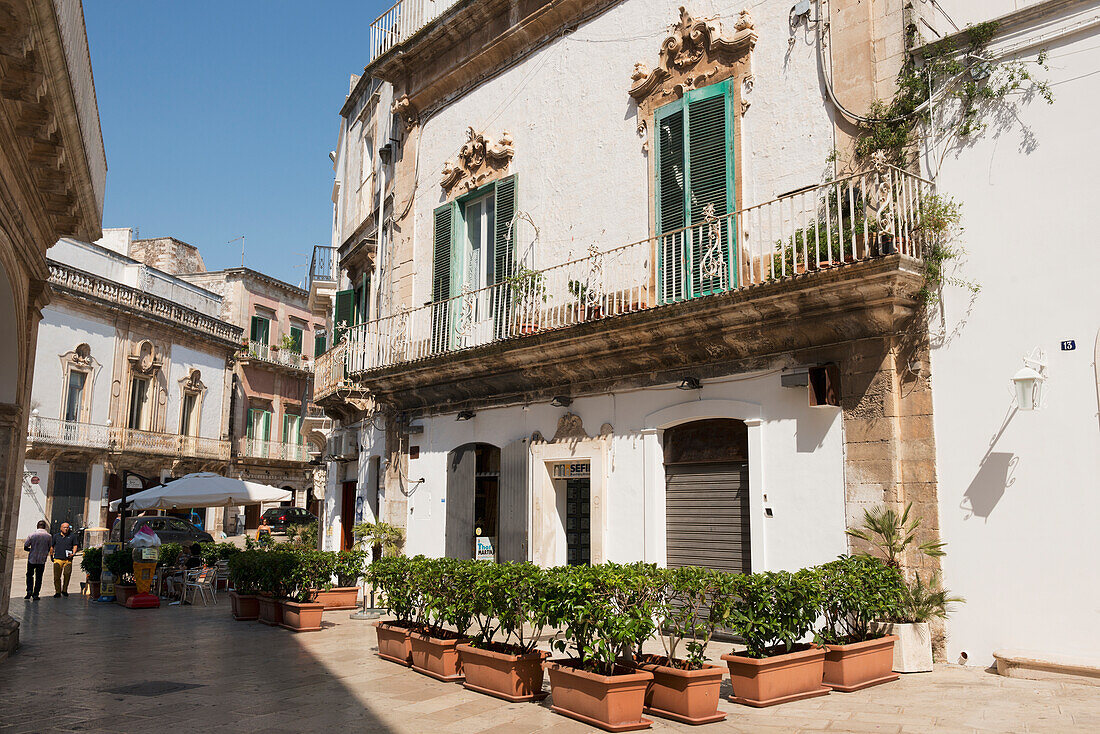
270,610
687,696
777,679
302,617
610,702
514,678
393,643
246,607
436,657
913,647
124,592
860,665
338,597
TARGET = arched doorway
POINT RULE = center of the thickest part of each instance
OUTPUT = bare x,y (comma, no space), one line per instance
473,498
9,355
707,495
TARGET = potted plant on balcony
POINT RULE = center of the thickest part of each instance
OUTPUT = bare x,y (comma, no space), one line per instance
890,536
506,603
595,686
301,613
445,584
527,289
856,591
243,576
772,612
91,563
584,309
392,577
121,564
684,688
347,568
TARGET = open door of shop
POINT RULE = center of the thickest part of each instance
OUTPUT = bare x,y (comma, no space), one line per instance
347,516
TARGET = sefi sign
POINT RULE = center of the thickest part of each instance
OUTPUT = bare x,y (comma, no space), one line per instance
571,470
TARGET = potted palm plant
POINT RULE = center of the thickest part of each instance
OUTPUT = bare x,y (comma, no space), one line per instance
379,539
684,687
772,612
891,535
444,584
856,591
506,604
595,685
391,576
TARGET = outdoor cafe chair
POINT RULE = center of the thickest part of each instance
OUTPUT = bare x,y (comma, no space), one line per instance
202,584
222,579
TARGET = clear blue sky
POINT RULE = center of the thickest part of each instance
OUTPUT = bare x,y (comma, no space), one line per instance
218,117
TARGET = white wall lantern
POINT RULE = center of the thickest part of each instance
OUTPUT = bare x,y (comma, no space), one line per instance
1029,381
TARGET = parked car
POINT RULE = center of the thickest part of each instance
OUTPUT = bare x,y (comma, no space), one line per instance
278,518
168,529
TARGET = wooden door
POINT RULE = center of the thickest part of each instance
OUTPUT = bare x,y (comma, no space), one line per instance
347,516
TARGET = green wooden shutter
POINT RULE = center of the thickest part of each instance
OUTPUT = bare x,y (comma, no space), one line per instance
296,337
442,275
710,182
318,344
342,314
260,330
504,249
671,201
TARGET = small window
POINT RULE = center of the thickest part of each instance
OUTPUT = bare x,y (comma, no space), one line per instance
319,345
261,328
296,339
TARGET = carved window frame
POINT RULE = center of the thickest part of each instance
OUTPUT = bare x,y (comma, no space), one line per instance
80,360
192,386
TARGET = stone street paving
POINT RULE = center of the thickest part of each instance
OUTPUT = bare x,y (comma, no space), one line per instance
89,667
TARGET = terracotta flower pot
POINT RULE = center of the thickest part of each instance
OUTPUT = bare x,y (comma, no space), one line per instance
777,679
246,607
610,702
302,616
93,588
436,657
270,610
393,643
860,664
514,678
338,597
124,592
688,696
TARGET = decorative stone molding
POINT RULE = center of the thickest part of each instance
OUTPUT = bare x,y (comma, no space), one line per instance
144,359
570,427
403,107
478,161
81,356
695,53
192,382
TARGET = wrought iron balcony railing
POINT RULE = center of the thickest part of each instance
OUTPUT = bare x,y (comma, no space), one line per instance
258,449
281,357
855,218
322,267
56,432
78,281
402,21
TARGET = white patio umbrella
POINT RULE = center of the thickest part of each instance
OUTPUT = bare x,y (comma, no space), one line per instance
203,489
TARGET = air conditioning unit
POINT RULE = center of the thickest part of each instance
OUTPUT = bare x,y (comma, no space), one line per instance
349,448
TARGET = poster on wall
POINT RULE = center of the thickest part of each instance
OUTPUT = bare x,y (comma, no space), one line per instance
484,549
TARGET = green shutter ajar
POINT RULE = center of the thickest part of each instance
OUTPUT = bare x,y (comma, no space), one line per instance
342,313
442,275
504,248
671,201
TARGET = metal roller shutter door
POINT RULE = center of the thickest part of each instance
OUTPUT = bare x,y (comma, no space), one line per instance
707,516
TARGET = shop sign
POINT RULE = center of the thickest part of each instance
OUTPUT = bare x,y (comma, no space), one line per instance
484,549
572,470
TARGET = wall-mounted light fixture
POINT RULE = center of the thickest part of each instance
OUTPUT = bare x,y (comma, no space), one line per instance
1029,381
561,401
691,383
465,415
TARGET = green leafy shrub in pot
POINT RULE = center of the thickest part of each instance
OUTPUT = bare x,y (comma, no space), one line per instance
227,551
770,611
274,572
121,564
585,602
391,576
169,553
508,599
91,562
685,615
855,592
348,567
310,570
209,553
244,576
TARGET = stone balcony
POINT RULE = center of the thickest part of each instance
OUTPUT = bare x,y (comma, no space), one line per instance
47,433
285,360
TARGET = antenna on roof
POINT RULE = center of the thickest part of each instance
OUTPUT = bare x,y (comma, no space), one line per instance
241,238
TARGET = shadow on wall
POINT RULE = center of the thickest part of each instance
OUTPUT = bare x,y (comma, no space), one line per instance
995,475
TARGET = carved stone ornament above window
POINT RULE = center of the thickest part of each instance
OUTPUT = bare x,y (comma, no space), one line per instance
144,359
193,382
478,161
403,107
81,356
696,52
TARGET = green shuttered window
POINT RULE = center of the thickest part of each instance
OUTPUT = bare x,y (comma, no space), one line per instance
694,170
343,313
261,327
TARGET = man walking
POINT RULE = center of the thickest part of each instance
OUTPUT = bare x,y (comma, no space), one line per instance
38,543
64,548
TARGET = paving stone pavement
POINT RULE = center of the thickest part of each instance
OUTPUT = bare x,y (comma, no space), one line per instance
80,659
